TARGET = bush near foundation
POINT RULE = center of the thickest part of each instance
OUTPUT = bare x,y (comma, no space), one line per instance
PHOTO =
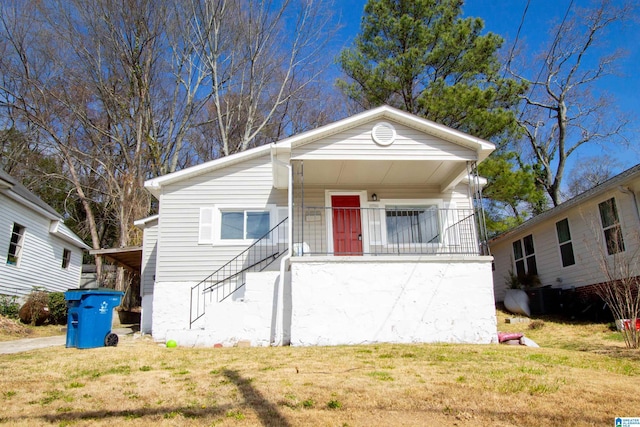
57,308
35,311
9,306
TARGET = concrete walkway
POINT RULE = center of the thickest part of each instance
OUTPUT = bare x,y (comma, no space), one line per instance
28,344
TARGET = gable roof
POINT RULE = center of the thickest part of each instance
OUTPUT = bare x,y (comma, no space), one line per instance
13,189
385,112
10,184
598,190
481,147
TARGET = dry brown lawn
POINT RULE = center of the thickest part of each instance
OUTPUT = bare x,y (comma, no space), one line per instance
582,375
12,329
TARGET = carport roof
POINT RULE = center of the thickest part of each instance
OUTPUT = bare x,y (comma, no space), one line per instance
129,257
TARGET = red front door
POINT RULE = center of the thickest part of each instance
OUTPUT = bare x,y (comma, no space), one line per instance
347,229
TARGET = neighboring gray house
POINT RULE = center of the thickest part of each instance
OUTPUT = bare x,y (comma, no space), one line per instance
37,249
567,245
360,231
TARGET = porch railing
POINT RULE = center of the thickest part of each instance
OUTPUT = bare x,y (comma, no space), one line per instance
393,230
229,278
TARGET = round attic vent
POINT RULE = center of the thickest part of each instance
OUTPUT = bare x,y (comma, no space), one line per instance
383,134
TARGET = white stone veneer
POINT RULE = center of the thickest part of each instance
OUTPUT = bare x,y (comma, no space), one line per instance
358,300
248,315
147,313
343,300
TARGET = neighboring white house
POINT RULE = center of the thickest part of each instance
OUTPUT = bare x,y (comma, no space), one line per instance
567,245
149,227
360,231
38,250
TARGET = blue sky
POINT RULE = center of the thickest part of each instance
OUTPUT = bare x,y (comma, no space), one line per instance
504,16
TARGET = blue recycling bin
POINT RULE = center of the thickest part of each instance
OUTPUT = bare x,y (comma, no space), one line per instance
89,317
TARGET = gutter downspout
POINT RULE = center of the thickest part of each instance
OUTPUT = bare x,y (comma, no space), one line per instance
278,339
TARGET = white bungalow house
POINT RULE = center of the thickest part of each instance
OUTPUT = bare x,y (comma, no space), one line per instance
38,250
568,246
360,231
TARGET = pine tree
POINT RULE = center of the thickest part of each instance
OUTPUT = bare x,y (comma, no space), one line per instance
422,57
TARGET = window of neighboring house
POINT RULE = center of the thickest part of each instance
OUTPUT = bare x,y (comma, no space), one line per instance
564,240
611,226
525,257
66,258
244,224
15,244
412,224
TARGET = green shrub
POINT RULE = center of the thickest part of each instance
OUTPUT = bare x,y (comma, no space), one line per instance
9,306
57,308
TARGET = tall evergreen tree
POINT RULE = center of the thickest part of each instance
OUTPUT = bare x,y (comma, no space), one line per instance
422,57
512,192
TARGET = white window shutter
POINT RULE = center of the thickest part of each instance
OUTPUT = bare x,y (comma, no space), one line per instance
206,225
283,231
376,231
451,228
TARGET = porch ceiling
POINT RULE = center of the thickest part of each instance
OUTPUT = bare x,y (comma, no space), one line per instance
383,172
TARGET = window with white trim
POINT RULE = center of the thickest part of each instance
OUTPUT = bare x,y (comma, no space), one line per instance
412,224
15,244
611,226
525,257
564,241
235,225
66,258
244,224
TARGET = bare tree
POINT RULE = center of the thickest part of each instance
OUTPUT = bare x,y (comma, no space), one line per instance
82,75
563,112
619,260
590,172
261,56
119,91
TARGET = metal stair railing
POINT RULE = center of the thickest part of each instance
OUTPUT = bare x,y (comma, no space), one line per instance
232,276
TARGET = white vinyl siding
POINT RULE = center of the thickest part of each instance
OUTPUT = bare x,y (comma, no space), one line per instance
181,254
357,144
149,254
587,241
40,260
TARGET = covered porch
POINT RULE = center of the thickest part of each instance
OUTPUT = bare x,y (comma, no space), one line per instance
386,208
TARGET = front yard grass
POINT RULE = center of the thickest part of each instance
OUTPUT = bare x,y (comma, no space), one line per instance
13,329
581,375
